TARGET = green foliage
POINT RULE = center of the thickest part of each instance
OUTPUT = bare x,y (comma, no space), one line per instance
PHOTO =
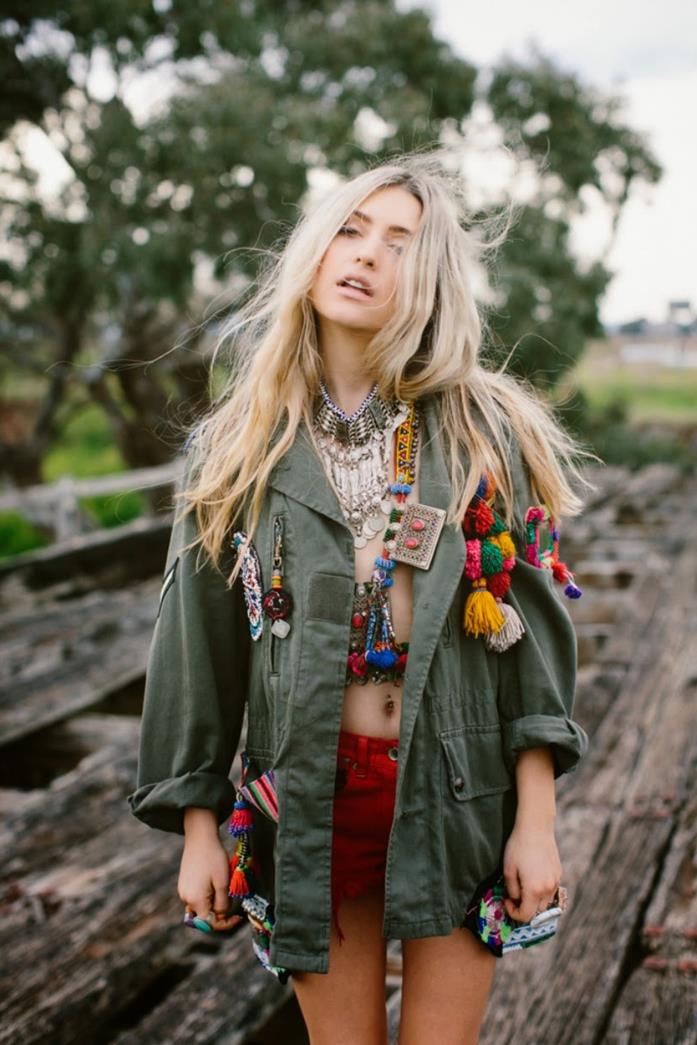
108,268
608,432
548,307
85,447
574,130
17,535
114,509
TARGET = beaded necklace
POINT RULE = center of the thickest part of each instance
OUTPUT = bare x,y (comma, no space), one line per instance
381,647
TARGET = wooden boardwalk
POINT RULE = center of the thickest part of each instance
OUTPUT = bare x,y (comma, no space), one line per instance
92,948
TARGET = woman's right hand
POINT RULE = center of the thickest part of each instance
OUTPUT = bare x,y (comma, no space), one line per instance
204,873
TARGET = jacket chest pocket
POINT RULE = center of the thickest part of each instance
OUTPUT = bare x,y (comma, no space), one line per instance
474,764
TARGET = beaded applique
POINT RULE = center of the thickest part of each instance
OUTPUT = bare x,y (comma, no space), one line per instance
251,582
488,919
547,558
357,670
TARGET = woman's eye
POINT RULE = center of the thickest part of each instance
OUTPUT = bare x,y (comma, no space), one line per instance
347,230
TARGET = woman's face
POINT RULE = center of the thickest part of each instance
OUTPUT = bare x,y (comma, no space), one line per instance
368,248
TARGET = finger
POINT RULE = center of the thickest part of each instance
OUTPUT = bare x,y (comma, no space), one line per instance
221,901
228,923
512,883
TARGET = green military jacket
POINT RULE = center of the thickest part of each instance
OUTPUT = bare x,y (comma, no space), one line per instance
466,712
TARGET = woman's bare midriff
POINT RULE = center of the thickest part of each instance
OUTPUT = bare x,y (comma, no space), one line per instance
364,705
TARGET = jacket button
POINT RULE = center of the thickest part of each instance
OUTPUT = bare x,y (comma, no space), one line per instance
458,783
393,753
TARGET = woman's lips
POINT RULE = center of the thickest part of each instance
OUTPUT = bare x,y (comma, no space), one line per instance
354,292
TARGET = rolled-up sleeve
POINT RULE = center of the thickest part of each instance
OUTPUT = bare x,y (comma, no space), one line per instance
537,676
195,689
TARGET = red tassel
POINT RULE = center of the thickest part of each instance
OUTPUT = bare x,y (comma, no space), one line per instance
239,887
560,571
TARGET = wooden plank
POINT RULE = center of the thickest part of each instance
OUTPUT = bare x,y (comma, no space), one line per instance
92,918
73,657
136,549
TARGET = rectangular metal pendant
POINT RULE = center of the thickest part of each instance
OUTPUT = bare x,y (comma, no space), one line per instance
417,537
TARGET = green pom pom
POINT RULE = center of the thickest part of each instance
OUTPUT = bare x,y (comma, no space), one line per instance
492,558
498,526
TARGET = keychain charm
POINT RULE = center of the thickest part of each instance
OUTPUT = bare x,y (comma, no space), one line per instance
277,603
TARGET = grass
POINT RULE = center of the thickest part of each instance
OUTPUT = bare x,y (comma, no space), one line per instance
652,393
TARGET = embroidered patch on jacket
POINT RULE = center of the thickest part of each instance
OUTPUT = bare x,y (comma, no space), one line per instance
167,583
251,582
261,793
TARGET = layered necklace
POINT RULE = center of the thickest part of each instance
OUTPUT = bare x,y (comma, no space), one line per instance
356,452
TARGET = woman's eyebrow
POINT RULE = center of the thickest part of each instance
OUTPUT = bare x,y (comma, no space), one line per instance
368,220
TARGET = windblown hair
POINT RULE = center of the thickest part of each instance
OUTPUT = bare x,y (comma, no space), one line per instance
430,345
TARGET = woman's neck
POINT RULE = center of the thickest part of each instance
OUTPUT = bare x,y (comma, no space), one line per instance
344,374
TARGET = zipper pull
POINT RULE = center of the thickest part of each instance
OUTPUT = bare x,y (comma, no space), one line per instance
277,602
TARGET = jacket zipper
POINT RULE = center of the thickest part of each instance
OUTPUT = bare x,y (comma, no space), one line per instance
277,530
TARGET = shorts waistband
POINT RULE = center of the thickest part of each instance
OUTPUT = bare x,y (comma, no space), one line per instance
357,744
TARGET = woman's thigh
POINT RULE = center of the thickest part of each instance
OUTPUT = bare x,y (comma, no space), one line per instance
346,1006
446,982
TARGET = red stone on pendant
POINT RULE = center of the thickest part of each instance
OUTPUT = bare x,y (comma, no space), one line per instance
357,620
412,542
417,524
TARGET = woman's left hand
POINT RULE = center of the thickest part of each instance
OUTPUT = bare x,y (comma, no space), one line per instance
531,869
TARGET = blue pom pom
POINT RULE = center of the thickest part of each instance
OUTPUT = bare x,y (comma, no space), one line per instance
381,658
572,591
481,489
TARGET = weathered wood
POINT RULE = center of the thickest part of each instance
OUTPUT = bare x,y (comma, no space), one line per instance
126,553
92,919
73,657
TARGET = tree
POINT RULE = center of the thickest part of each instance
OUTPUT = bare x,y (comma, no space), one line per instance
101,281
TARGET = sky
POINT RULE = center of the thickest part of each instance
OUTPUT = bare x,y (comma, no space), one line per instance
648,54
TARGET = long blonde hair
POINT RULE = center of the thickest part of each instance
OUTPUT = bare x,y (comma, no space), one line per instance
430,345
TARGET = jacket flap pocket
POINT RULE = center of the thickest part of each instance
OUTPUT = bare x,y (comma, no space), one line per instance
474,761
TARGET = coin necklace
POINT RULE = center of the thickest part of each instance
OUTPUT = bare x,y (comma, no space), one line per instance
355,449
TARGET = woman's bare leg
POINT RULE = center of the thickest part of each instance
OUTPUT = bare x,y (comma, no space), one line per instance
446,982
346,1006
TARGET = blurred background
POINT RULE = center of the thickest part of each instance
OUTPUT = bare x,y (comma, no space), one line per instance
151,151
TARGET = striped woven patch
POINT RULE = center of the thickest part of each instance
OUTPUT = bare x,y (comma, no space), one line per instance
261,793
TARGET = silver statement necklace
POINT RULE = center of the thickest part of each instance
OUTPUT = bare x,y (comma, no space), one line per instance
356,451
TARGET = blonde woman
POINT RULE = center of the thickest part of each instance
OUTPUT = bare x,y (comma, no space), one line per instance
338,573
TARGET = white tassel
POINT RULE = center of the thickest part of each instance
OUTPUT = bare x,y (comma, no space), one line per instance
509,634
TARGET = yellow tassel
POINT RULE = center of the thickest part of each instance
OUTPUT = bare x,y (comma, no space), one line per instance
482,612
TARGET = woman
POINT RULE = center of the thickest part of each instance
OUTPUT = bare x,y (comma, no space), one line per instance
405,719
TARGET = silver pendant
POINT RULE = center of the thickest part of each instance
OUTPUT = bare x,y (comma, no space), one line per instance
417,537
280,628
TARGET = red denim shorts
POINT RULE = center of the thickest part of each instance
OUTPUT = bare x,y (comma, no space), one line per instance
366,777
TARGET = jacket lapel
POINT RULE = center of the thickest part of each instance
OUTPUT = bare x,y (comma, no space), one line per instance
300,474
